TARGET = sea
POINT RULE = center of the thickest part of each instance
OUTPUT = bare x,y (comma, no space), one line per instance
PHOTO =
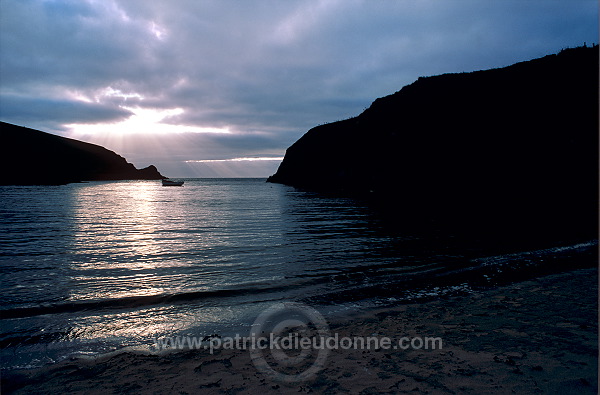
102,267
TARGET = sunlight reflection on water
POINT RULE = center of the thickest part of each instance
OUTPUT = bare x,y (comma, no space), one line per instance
96,266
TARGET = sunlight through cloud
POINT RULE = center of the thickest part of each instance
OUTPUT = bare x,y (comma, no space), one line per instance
111,92
144,121
158,31
235,160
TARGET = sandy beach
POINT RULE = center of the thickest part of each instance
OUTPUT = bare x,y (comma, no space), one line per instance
536,336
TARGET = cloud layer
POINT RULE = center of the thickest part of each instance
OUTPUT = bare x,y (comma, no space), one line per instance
264,71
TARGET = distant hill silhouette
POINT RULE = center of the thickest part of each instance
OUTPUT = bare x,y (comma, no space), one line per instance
516,145
32,157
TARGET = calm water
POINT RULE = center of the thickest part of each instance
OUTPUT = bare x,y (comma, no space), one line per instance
95,267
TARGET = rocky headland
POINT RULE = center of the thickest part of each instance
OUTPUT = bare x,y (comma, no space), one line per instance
512,146
33,157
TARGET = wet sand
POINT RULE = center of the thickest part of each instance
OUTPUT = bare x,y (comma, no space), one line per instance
535,336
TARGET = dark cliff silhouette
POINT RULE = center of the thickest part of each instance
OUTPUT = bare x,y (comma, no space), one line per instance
515,145
32,157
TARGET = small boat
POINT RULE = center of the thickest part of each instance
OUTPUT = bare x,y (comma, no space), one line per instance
171,183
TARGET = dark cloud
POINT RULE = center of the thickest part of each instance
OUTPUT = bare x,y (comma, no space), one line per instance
264,70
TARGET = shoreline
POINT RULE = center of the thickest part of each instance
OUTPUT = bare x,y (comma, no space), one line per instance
538,335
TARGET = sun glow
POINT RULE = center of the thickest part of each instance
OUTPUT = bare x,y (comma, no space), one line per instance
250,159
144,121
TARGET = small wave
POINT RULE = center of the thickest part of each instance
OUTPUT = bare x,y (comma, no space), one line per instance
431,281
133,301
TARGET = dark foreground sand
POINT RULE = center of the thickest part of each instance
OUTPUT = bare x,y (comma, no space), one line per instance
537,336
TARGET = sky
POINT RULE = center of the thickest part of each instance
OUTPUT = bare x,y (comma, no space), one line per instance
221,88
